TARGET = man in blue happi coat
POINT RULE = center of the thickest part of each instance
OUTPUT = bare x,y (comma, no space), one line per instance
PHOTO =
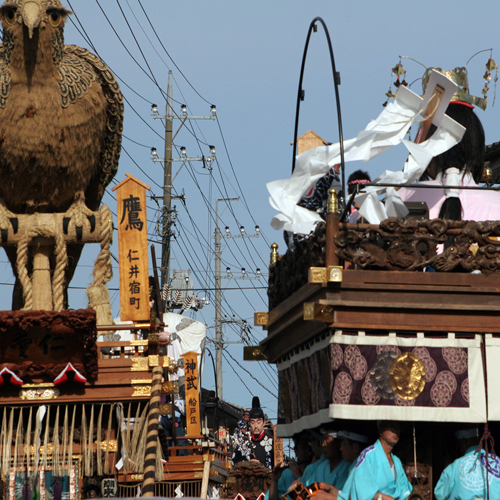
351,444
282,478
379,475
465,478
315,442
332,473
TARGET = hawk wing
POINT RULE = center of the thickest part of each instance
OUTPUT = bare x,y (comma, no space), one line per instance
5,51
77,70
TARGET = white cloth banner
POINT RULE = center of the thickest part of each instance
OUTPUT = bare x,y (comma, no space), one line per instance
454,387
191,337
388,130
442,382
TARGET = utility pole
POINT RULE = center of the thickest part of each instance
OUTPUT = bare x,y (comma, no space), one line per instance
166,217
219,342
167,187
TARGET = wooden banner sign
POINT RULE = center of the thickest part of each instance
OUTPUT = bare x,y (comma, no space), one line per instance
193,424
133,249
279,454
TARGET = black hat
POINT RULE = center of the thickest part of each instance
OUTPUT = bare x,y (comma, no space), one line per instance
256,411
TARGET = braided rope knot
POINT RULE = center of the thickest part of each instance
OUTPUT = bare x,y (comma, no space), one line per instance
58,278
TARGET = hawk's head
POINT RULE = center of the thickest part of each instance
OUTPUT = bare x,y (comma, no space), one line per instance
33,14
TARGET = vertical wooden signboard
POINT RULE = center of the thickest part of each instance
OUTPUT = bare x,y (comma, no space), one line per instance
279,455
133,249
193,424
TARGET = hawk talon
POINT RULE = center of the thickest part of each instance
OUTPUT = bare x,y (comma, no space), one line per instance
79,232
91,219
66,224
15,223
5,233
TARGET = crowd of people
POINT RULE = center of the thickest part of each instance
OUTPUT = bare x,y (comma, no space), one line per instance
337,462
342,466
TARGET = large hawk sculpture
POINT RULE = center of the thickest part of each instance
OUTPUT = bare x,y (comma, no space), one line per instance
61,119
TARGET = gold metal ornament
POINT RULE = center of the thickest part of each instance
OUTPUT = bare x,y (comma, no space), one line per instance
141,391
407,376
334,273
316,275
274,253
153,360
139,365
39,391
112,443
398,70
261,318
487,173
333,204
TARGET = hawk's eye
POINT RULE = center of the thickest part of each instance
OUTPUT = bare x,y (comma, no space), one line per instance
55,17
9,14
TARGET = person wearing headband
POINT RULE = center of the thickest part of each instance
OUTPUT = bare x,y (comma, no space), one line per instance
315,442
356,180
465,478
331,474
351,444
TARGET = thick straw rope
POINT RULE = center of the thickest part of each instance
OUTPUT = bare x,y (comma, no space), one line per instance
98,293
150,465
58,275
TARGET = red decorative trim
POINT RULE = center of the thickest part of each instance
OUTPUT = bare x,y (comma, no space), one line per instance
463,104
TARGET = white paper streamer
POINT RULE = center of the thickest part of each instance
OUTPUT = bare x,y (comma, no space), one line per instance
388,130
452,179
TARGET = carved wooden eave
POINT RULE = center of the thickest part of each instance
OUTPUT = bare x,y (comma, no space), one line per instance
386,301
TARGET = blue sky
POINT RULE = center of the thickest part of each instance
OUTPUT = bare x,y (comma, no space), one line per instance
245,58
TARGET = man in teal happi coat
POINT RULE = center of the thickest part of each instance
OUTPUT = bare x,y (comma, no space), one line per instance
334,470
465,478
379,475
283,478
351,444
316,439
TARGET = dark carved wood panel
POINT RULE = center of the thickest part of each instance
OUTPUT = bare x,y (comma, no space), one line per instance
290,271
412,245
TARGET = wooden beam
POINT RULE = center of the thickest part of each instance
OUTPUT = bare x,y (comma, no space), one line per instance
387,300
42,283
52,223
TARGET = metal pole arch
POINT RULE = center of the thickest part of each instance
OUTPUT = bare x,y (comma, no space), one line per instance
336,81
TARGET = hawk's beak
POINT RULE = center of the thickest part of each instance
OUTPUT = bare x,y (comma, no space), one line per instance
31,15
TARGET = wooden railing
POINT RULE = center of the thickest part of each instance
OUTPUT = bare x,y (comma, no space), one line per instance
395,244
199,449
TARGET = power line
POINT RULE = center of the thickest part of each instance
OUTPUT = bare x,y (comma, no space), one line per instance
251,375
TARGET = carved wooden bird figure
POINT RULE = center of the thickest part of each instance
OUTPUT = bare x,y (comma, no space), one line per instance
61,120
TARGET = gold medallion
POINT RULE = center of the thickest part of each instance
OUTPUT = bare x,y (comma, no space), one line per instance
407,376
